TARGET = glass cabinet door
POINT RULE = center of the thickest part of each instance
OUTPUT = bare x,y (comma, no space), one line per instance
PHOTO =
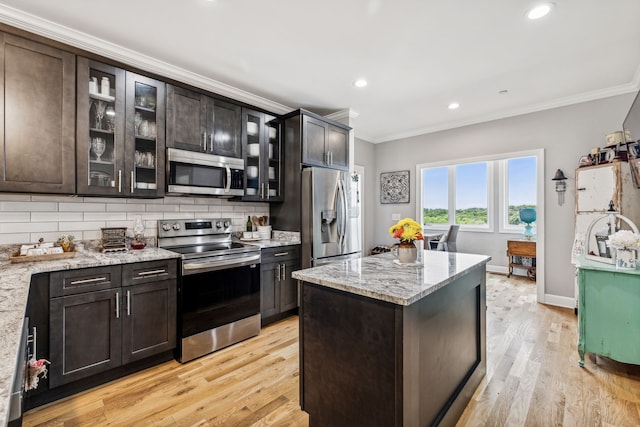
252,129
262,157
274,156
145,123
100,135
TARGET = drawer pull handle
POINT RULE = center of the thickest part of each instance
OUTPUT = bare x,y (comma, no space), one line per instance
128,303
281,254
117,305
83,282
150,272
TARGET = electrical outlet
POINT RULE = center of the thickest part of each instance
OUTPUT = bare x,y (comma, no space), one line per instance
395,217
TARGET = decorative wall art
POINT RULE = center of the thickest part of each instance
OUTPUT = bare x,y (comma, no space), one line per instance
394,187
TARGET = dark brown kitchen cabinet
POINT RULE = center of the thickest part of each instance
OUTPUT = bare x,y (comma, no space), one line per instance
263,156
324,144
279,291
120,132
37,107
100,129
197,122
149,325
105,317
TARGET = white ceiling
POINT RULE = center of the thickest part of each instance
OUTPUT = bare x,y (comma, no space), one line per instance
418,55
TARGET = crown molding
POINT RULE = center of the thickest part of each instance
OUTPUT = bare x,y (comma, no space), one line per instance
347,113
42,27
633,86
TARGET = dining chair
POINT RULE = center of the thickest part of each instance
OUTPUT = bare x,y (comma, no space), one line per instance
447,242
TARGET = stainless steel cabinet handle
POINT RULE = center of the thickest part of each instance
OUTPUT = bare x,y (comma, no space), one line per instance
128,303
204,141
119,180
283,274
147,273
281,254
117,305
85,281
132,181
277,273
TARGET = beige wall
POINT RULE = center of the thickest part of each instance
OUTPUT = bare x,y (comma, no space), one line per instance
564,133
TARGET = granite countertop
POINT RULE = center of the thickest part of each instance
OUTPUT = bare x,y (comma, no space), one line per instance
279,238
380,278
14,291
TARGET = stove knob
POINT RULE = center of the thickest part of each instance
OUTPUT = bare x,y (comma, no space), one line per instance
218,224
166,227
226,224
176,226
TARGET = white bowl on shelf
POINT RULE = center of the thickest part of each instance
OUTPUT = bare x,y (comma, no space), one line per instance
271,151
250,191
272,172
252,171
253,149
252,128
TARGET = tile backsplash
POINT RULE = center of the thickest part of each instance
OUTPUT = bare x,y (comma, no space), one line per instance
25,218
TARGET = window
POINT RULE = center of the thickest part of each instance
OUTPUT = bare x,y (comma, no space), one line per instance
463,193
456,194
520,179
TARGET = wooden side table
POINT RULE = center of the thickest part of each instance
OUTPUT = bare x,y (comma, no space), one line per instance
522,248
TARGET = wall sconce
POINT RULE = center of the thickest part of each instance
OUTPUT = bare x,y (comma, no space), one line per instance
561,185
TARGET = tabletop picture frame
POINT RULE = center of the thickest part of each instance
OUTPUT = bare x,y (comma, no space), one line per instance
394,187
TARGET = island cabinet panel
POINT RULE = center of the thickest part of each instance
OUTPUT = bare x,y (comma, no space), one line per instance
37,137
369,362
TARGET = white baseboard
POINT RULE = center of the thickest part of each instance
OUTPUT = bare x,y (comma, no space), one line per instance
559,301
497,269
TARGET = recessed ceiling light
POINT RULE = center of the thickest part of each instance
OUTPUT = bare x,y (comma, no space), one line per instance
453,106
360,83
539,11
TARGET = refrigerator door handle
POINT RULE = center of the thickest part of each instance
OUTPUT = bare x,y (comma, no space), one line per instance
342,224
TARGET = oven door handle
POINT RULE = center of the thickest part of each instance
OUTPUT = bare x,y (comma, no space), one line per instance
236,261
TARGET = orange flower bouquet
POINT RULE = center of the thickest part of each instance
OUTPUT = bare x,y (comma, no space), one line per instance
407,230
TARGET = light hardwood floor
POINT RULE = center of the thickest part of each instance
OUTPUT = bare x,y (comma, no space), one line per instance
533,379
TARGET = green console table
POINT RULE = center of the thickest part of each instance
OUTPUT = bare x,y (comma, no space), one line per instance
608,311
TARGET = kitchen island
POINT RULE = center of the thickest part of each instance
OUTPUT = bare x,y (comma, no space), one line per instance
389,345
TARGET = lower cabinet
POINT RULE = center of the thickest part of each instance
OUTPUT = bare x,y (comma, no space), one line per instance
102,318
279,291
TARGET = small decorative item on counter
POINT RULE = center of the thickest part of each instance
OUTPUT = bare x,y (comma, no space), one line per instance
138,234
41,251
66,242
114,239
408,231
626,244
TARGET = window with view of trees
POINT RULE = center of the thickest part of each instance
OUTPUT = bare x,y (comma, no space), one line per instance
520,188
462,193
456,194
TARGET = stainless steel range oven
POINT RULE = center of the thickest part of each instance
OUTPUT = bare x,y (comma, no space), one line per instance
219,292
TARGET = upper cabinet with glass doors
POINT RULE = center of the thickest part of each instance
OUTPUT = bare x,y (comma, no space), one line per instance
119,132
263,159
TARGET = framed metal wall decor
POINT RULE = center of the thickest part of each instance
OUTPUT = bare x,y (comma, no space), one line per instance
394,187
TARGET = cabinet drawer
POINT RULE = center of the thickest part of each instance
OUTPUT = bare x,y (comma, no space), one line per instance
521,248
72,282
280,254
148,272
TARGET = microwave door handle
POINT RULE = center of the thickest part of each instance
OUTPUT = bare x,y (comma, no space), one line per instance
228,186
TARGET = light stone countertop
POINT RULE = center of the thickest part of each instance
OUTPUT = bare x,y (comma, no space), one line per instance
14,291
279,238
380,278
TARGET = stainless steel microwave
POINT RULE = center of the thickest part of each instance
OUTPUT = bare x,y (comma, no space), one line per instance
190,172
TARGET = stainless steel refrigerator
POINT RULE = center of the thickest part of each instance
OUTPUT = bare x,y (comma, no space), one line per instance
330,216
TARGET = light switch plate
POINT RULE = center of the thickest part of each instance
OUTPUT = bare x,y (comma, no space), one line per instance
395,217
